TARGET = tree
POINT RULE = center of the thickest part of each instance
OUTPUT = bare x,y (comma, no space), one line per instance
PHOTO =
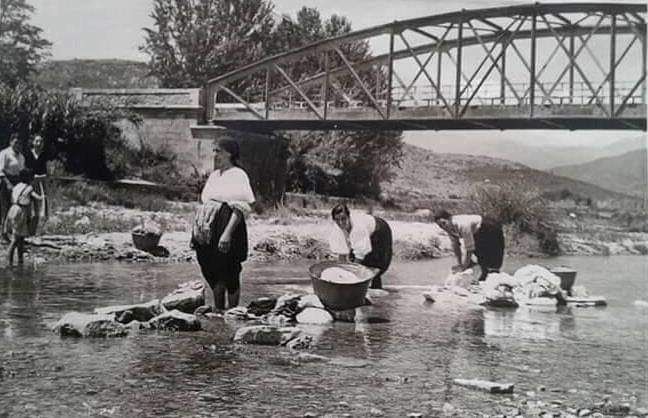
344,163
21,44
195,40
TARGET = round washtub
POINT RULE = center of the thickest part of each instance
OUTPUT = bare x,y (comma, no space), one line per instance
342,296
567,277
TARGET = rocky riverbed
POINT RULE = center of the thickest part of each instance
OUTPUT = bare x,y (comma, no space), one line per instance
102,233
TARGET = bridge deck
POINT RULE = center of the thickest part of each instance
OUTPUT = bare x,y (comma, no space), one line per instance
566,116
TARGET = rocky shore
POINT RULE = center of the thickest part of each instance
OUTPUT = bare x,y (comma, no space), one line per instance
103,234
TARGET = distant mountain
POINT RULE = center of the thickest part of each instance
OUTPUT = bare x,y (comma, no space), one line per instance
626,173
426,178
94,74
497,145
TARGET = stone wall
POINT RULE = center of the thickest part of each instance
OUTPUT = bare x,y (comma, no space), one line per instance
167,118
167,115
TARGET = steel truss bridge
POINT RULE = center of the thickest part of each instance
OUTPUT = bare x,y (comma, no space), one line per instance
537,66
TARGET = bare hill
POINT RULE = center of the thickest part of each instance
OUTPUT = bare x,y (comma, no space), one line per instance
426,179
540,157
94,74
626,173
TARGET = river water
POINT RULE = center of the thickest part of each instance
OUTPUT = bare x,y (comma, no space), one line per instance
400,358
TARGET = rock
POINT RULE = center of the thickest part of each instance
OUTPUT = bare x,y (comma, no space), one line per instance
310,301
344,316
277,320
641,411
186,297
311,358
490,387
314,316
138,312
75,324
303,342
448,409
175,320
239,313
615,409
375,412
414,415
266,335
584,412
640,303
203,310
137,326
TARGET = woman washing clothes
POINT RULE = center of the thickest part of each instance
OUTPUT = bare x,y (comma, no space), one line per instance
362,238
219,234
481,236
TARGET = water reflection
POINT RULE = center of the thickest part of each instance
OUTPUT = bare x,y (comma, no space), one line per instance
547,323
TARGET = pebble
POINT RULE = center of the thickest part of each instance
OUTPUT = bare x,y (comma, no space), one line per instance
376,412
584,412
414,415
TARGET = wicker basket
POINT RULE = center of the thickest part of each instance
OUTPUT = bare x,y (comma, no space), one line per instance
146,241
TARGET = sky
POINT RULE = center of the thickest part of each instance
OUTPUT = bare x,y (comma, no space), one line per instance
113,29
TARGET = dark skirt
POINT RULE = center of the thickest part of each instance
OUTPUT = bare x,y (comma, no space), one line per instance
381,247
489,245
218,267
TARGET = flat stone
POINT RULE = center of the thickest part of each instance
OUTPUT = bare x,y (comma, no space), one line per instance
311,358
310,301
175,320
266,335
584,412
314,316
187,297
137,312
76,324
485,385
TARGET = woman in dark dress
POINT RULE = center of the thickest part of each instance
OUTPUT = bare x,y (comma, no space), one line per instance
362,238
219,233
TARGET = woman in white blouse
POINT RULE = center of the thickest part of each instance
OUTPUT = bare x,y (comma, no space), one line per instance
362,238
219,234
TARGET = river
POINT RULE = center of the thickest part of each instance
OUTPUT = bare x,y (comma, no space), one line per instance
571,358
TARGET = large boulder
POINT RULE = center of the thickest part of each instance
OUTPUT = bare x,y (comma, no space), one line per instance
175,320
186,297
266,335
126,313
76,324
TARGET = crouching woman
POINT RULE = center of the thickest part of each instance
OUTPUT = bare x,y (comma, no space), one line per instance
219,233
361,238
481,236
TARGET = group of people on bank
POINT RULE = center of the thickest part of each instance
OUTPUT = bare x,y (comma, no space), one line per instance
219,234
22,193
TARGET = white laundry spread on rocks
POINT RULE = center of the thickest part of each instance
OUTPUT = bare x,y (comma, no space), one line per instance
531,285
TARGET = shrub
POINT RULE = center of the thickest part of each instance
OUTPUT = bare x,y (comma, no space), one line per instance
525,209
80,137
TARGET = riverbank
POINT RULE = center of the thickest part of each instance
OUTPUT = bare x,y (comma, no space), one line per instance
97,232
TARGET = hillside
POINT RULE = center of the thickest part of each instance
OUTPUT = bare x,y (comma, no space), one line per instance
94,74
626,173
527,152
426,179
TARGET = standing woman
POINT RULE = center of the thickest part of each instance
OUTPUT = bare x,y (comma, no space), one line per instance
36,161
481,236
12,163
219,234
362,238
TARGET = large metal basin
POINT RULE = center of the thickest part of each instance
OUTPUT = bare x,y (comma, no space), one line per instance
567,277
342,296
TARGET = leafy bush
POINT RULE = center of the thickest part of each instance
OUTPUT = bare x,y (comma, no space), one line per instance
525,209
80,137
348,164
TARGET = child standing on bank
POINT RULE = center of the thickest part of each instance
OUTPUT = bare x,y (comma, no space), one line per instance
18,222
